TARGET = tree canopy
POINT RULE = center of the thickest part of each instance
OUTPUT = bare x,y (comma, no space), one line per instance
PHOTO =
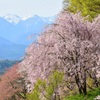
70,45
89,8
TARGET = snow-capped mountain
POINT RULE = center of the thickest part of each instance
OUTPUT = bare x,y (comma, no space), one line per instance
12,18
17,30
16,19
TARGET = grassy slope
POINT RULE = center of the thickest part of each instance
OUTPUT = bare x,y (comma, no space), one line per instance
90,96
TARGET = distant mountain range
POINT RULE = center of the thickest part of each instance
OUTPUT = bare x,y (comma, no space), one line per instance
10,50
15,33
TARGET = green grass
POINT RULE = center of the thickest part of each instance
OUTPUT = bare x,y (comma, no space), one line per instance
90,95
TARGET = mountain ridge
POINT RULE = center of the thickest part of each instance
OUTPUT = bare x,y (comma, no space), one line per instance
15,35
15,19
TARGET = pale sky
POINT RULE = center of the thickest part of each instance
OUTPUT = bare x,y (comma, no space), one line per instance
30,7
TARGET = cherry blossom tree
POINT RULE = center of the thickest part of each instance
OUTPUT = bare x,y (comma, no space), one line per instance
70,45
11,85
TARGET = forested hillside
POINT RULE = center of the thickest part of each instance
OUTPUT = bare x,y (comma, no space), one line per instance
5,64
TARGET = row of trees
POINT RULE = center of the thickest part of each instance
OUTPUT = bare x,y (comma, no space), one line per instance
70,46
64,58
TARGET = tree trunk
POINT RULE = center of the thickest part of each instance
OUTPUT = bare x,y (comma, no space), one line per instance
78,83
84,88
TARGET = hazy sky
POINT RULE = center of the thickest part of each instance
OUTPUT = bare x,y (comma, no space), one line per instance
30,7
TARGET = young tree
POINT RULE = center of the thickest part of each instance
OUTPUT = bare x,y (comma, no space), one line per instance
89,8
47,89
11,85
71,45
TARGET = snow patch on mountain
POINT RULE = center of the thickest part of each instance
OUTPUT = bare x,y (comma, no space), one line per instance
27,17
12,18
